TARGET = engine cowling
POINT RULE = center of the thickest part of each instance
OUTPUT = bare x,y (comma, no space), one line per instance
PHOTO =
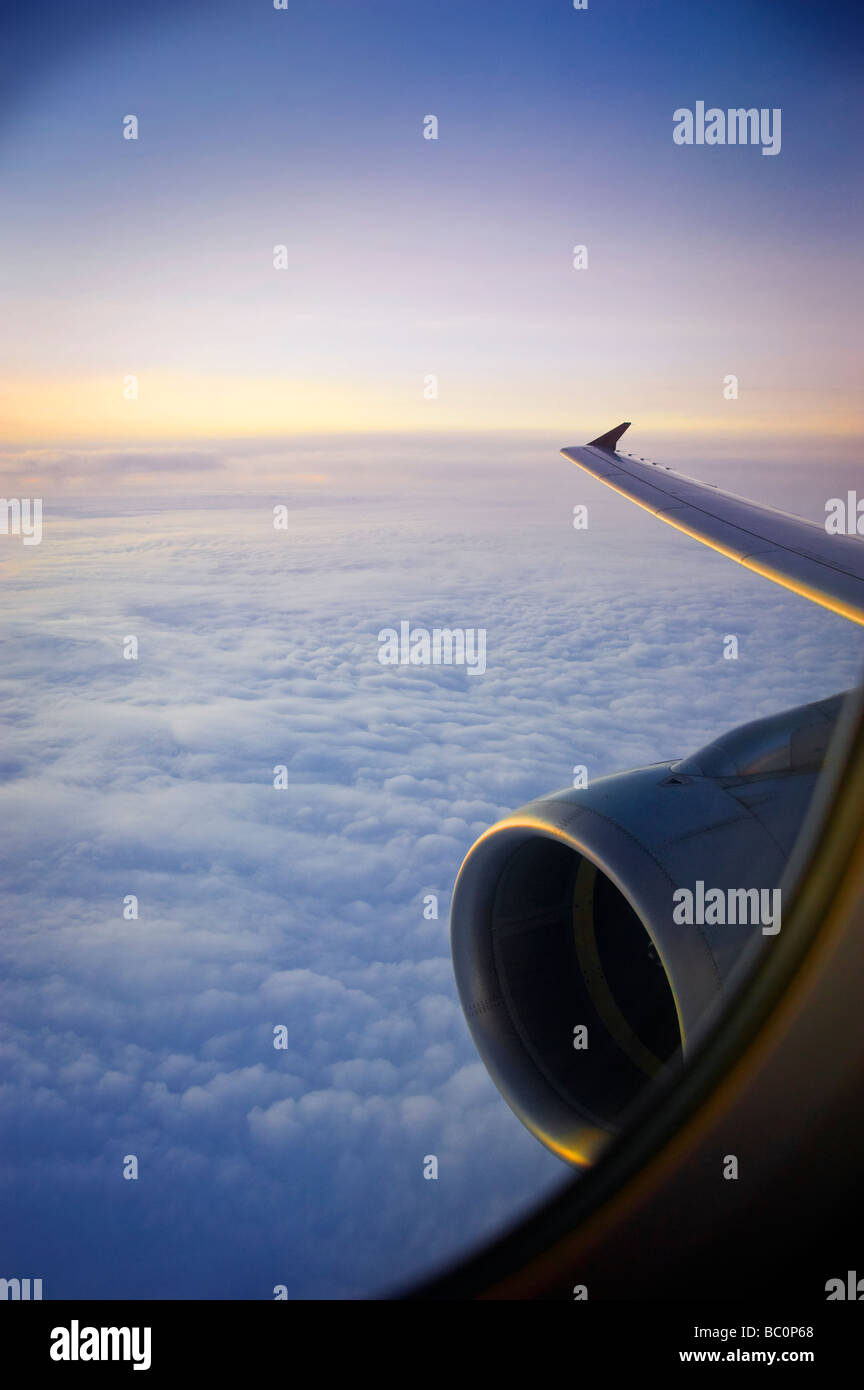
563,919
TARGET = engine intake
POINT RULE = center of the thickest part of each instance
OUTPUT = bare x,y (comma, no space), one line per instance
562,920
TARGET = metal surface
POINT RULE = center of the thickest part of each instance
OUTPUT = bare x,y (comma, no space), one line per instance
524,974
797,554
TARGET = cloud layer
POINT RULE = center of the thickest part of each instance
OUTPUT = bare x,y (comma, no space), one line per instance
304,907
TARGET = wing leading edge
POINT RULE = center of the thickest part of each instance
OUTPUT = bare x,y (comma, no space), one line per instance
795,553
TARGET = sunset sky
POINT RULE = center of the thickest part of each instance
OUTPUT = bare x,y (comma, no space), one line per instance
410,257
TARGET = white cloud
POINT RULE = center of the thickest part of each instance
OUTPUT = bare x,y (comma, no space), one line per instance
305,907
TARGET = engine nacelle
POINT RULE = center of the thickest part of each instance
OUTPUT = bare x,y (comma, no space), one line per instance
562,919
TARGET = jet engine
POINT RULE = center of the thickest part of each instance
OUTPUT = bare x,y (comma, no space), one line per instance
578,977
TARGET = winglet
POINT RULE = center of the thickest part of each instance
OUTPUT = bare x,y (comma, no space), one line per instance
610,439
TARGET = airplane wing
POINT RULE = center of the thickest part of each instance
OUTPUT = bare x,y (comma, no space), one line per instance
798,554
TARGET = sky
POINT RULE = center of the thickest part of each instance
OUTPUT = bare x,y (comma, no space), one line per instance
304,387
407,257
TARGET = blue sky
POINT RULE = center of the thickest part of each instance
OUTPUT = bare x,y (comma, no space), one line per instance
408,256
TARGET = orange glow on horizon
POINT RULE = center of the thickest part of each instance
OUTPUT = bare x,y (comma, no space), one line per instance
182,406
